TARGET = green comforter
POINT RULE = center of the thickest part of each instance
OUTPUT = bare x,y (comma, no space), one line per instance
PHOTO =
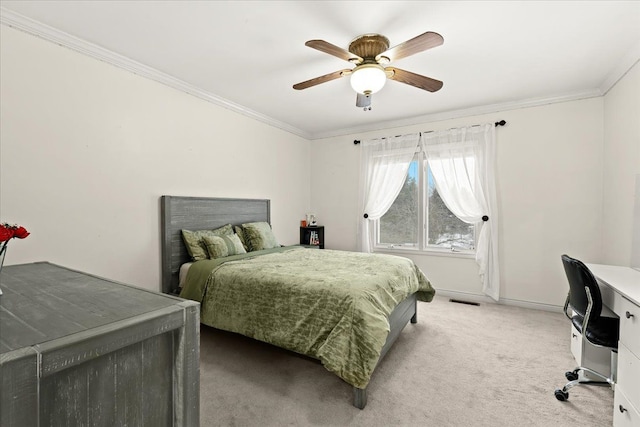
326,304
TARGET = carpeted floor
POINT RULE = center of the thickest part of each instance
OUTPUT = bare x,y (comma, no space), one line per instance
460,365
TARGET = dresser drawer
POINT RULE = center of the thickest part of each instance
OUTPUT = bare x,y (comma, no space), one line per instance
630,326
628,375
624,414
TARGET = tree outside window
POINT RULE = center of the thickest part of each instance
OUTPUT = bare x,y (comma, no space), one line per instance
414,210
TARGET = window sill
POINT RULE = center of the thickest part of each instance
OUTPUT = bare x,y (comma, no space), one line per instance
427,252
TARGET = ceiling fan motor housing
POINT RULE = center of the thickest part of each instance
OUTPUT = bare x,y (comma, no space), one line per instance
368,46
369,76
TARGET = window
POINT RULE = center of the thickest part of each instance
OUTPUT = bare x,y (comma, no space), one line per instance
419,219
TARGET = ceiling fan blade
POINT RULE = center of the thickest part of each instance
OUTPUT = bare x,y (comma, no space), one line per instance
322,79
334,50
413,79
417,44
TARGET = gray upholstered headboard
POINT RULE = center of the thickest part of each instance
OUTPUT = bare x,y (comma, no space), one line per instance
199,213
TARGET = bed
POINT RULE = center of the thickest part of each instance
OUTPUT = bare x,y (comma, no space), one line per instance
231,298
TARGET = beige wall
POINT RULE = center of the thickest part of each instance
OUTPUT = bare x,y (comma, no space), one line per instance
621,165
549,174
87,149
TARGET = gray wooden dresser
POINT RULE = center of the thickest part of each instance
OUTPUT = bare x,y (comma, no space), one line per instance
79,350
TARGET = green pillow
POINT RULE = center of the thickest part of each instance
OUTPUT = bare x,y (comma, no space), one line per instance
196,246
258,236
223,246
240,234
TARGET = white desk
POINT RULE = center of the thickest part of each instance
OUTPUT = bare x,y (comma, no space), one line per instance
620,288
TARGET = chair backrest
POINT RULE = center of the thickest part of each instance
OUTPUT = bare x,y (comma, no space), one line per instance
579,277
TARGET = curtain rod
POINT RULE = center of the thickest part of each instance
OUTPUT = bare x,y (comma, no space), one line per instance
500,123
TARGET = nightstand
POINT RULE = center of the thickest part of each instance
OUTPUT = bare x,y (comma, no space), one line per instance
312,236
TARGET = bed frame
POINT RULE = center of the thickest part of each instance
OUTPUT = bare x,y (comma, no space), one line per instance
200,213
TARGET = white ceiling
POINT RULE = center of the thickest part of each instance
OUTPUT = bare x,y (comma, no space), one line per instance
247,55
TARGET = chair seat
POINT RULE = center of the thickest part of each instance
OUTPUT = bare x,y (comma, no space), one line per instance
602,331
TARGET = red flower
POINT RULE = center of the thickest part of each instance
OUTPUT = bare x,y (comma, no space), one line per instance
20,232
8,232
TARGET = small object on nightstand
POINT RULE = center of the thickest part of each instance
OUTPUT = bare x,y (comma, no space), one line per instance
311,220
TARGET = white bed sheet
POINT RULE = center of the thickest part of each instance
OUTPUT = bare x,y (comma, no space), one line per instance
182,275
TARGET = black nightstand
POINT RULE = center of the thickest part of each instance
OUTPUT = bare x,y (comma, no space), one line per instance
312,236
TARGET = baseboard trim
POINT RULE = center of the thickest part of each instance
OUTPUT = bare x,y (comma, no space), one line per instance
468,296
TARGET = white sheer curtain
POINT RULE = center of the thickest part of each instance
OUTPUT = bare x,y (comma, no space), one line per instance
462,163
383,169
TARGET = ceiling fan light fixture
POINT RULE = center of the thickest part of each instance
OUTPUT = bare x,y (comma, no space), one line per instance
368,78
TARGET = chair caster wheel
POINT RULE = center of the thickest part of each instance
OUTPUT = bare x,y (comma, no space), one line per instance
561,395
571,375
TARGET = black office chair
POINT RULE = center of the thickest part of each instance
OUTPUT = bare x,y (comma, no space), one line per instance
586,302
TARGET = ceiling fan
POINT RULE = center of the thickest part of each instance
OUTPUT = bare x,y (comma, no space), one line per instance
371,53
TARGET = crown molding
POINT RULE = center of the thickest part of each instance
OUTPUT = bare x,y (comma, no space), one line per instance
626,64
30,26
456,114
